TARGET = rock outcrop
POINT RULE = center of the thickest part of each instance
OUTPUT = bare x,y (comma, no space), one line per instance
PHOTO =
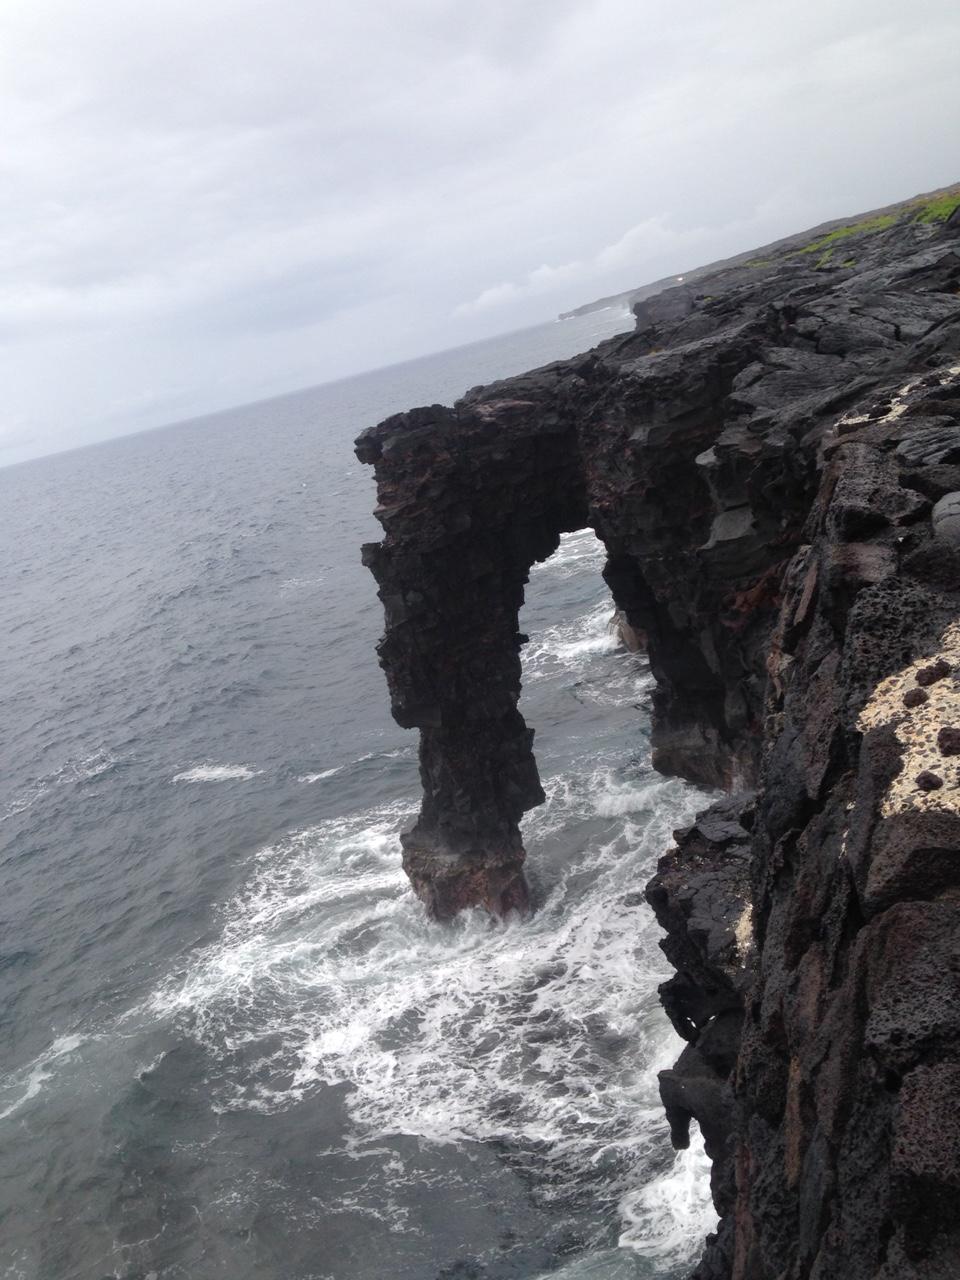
469,499
772,460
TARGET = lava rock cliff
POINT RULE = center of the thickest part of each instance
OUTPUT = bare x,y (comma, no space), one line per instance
772,460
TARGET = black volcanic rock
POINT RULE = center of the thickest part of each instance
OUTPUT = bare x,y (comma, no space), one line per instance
701,897
770,460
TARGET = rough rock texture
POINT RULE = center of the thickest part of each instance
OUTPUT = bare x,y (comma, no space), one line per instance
771,460
469,499
701,896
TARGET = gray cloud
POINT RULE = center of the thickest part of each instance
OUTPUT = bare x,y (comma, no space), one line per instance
206,203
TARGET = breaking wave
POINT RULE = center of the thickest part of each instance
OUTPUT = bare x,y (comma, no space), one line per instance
577,551
23,1085
543,1037
73,771
571,644
217,773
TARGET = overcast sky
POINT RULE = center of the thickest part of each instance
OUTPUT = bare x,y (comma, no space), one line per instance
205,202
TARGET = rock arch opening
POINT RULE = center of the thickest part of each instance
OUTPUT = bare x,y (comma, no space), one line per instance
587,697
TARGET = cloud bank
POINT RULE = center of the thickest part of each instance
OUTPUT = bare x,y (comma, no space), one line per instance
205,204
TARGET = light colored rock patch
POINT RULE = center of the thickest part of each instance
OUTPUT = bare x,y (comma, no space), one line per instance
898,407
898,404
744,933
917,728
846,833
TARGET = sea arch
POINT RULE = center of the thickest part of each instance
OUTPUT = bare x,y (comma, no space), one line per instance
470,499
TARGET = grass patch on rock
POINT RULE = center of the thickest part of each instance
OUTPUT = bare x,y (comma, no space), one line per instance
828,242
939,208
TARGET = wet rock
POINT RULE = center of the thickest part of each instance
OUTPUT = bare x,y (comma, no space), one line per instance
701,897
632,639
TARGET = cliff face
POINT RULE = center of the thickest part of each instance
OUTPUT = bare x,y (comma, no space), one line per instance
769,459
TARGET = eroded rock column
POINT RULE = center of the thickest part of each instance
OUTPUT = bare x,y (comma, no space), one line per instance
469,499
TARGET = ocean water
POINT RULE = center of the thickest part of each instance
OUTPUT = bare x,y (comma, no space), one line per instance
230,1043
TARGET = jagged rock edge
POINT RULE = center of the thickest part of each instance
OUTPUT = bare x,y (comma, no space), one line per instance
768,459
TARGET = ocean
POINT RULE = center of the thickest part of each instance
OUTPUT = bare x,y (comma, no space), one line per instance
230,1042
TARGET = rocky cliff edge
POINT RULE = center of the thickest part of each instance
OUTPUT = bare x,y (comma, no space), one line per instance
772,460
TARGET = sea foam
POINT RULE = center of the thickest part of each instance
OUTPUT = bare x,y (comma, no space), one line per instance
217,773
542,1036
